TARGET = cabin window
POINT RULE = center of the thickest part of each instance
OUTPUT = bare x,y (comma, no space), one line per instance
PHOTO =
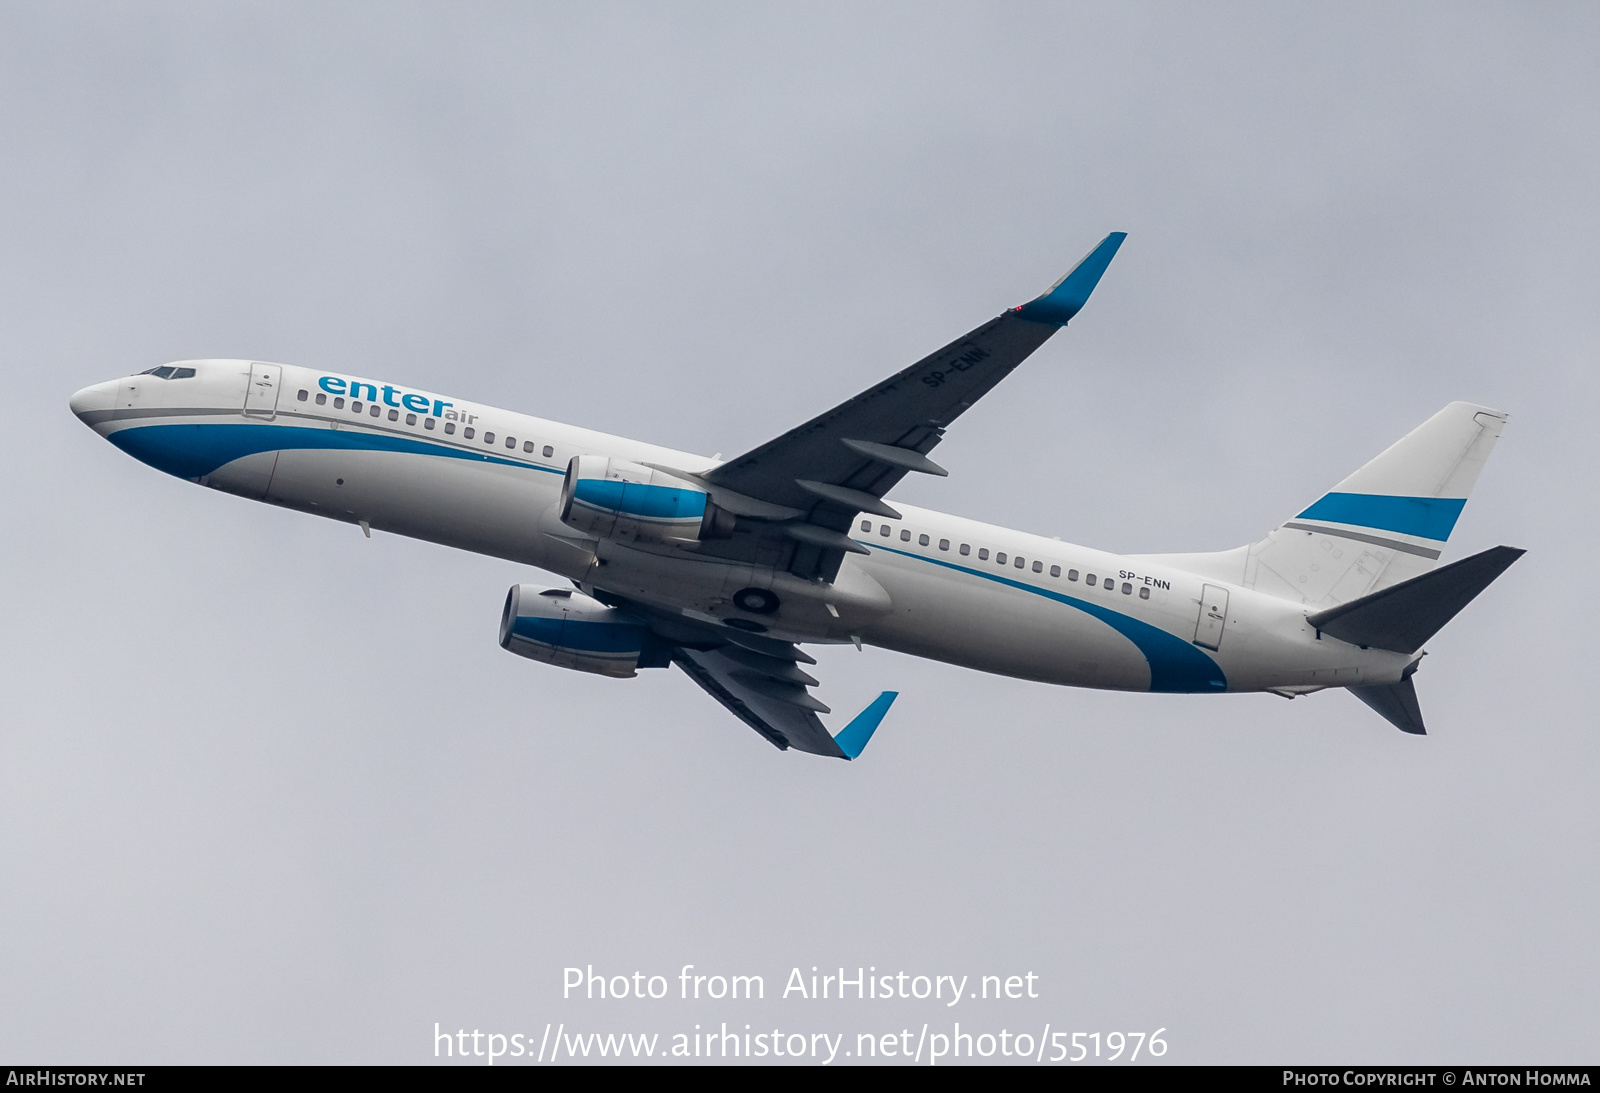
1127,589
549,451
883,530
866,525
983,554
527,446
1088,579
449,427
1144,593
376,410
1019,563
905,535
1072,574
322,399
411,419
922,540
338,404
302,396
468,432
1055,571
394,415
944,544
488,438
1000,558
427,423
1038,567
355,406
511,442
965,550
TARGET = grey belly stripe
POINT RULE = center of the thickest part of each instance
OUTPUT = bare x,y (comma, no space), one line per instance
1375,540
100,417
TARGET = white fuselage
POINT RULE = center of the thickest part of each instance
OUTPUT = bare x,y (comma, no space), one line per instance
934,585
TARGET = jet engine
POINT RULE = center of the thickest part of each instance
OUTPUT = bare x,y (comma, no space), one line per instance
615,499
570,630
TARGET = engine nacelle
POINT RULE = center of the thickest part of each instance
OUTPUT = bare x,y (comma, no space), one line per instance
615,499
570,630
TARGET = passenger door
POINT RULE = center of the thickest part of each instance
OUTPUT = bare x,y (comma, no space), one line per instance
261,394
1213,616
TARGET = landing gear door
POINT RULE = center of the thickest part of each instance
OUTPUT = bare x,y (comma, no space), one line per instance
1213,616
261,395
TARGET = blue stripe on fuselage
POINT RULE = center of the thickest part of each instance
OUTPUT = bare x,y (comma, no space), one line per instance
195,450
1427,517
1176,666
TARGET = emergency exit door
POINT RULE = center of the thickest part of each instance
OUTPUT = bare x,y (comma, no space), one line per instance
1213,616
261,394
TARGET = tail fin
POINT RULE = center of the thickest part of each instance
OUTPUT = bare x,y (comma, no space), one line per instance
1384,524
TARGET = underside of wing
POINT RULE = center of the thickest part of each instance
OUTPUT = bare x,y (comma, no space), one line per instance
758,679
782,710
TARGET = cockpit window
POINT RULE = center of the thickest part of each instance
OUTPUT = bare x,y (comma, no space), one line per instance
167,372
182,373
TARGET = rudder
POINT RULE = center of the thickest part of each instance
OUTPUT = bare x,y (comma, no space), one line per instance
1387,522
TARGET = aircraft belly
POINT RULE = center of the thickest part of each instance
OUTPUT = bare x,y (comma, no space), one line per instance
487,509
804,610
955,619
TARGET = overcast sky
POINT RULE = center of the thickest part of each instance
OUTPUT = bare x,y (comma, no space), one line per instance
269,791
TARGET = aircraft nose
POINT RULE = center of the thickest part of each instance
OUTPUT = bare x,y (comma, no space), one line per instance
90,400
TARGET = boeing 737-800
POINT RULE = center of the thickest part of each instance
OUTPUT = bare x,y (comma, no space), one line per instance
726,569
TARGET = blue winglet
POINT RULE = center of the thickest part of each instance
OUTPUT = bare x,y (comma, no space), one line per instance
852,739
1068,295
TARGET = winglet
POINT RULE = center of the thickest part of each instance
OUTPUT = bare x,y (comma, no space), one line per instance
1068,295
852,739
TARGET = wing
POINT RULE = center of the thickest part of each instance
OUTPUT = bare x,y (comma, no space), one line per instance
818,476
759,680
770,695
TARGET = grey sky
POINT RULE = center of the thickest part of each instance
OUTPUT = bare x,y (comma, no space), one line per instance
270,792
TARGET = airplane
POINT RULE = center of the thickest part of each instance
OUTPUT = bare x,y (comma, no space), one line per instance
726,568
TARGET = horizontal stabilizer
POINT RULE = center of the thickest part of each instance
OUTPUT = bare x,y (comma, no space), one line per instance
1404,616
1396,703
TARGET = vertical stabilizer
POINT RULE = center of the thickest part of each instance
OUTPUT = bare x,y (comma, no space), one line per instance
1387,522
